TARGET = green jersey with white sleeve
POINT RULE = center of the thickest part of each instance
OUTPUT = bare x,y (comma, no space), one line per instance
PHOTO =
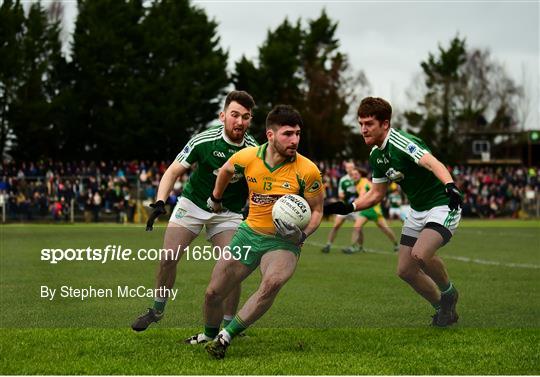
210,150
397,161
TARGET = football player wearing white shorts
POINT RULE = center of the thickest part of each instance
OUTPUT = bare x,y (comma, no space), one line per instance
395,200
346,192
435,205
209,149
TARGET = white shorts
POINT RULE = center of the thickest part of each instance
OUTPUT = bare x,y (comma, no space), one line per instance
190,216
405,209
392,211
416,220
350,216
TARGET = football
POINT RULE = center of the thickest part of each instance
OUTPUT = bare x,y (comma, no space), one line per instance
293,209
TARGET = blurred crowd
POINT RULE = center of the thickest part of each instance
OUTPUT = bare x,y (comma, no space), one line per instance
114,190
93,191
488,191
492,192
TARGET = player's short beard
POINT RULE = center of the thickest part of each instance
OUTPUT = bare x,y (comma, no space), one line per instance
230,134
282,151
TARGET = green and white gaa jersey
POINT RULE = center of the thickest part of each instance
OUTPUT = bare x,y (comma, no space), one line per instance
397,161
210,150
347,187
395,199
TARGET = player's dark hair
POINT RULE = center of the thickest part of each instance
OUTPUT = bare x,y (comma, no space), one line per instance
375,107
282,115
240,96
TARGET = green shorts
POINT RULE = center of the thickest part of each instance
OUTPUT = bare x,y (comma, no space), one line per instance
372,213
251,246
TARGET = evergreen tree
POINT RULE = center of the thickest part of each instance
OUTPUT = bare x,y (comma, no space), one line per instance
106,64
34,127
325,105
183,76
463,89
303,67
145,79
11,65
278,77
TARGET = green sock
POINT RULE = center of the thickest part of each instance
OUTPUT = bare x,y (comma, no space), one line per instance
447,289
159,306
211,331
226,320
236,326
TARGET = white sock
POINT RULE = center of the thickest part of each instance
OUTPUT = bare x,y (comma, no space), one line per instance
227,317
202,336
225,335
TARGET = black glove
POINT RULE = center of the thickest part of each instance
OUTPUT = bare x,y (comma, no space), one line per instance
159,209
338,208
456,201
214,205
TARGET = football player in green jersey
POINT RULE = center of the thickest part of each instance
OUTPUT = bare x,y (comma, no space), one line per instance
374,214
395,200
210,150
346,192
435,205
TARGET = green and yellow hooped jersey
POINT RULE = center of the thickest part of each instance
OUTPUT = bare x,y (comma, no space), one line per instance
210,150
397,161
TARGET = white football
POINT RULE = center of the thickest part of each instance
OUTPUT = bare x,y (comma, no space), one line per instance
293,209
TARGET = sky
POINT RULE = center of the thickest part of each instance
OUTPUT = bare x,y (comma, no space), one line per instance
389,39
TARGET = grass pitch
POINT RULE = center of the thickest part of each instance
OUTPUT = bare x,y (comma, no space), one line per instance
339,314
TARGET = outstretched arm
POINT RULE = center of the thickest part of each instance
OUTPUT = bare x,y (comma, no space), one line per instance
225,175
429,162
371,197
170,176
166,183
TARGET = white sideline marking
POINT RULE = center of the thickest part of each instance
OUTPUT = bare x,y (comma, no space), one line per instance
446,256
501,234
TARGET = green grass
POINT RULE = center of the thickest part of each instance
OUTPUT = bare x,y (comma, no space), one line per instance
339,314
271,351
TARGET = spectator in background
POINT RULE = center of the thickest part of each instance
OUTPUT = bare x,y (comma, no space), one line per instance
488,191
96,206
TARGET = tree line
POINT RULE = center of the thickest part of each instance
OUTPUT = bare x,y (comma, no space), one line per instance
142,77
